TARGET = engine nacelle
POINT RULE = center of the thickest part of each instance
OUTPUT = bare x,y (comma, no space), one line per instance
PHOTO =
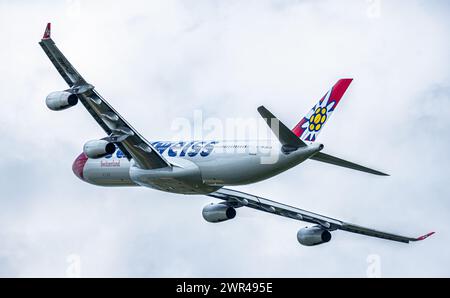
218,212
61,100
313,236
98,148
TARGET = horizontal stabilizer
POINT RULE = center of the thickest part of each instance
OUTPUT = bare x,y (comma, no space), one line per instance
343,163
286,137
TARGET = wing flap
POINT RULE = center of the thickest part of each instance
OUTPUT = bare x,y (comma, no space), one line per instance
374,233
120,132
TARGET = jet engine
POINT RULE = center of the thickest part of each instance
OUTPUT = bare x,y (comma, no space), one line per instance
218,212
313,236
61,100
98,148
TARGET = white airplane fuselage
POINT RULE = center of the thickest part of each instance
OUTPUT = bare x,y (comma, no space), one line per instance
198,167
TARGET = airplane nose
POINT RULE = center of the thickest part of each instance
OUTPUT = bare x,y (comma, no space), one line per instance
78,165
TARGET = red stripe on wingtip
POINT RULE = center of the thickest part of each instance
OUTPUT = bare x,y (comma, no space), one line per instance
425,236
47,32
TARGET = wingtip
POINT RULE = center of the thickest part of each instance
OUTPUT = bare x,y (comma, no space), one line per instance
423,237
380,173
48,31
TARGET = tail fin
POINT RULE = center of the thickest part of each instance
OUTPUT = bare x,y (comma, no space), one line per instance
311,125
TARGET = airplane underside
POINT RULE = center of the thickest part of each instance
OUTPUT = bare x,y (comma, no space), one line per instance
125,158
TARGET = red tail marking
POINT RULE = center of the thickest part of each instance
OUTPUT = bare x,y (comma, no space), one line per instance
339,89
334,95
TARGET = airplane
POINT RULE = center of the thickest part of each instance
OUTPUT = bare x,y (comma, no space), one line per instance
125,158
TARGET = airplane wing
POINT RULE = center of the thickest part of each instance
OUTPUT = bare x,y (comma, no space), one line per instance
132,144
237,199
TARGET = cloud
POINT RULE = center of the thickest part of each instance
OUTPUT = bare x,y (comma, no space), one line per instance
161,60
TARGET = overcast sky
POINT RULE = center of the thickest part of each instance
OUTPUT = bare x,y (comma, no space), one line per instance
156,61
